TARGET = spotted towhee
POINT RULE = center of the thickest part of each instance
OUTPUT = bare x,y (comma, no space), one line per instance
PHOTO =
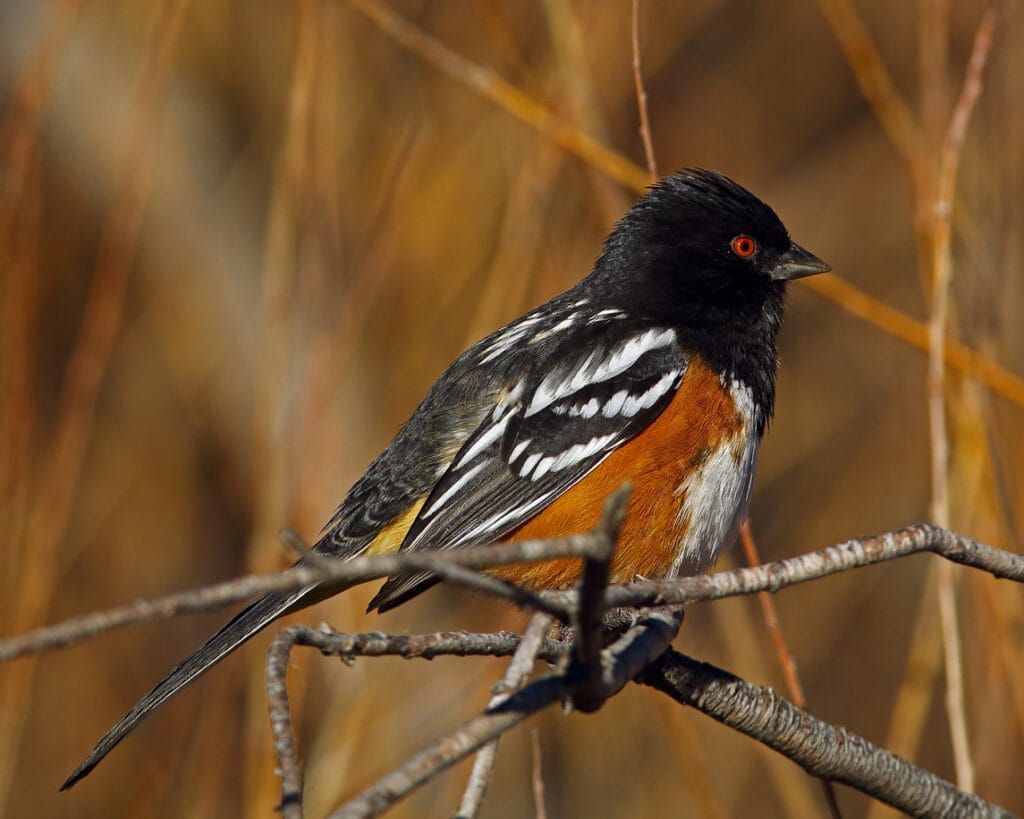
658,367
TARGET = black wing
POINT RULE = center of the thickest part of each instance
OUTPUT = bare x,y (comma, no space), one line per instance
544,435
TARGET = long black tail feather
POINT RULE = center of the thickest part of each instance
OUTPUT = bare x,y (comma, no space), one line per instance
245,624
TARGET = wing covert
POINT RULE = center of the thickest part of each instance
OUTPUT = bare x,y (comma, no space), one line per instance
544,435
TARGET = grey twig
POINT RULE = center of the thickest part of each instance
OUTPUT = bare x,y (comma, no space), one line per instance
588,690
288,765
295,542
644,640
448,565
377,644
425,646
515,675
772,577
823,750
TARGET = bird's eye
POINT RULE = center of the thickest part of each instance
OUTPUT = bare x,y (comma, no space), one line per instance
744,247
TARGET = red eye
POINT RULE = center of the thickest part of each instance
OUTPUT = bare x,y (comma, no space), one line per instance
744,246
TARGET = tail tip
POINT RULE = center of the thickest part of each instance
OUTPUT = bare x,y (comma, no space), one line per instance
77,775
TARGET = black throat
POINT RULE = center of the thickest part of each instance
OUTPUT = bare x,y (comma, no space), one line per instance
733,328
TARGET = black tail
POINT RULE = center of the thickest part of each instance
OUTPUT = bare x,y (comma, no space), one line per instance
246,623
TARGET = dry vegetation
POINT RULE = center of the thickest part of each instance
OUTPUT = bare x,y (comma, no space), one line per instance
239,241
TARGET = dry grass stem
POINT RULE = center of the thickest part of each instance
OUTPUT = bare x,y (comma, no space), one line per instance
782,652
86,368
641,95
520,105
942,259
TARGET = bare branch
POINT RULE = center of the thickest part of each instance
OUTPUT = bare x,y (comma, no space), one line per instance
823,750
588,693
876,84
281,722
624,660
515,675
208,598
423,646
377,644
772,577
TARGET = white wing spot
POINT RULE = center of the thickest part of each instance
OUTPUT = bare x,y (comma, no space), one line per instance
564,324
605,315
589,410
529,464
519,449
611,409
633,405
542,468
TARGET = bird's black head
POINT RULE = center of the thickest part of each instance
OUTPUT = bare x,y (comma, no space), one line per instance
704,255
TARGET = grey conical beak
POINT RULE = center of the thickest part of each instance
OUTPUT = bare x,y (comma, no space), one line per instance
796,263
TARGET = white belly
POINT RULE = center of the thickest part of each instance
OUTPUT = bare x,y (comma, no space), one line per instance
716,496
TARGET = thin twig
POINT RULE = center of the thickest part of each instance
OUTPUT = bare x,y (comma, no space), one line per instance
208,598
914,333
624,660
281,722
588,692
942,259
294,541
421,646
515,675
772,577
641,95
506,95
771,619
823,750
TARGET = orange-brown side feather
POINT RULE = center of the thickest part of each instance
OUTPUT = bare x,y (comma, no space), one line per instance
701,417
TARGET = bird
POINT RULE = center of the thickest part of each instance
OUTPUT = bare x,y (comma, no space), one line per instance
658,367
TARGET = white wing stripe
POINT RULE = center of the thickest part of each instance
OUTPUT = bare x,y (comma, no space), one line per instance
497,521
485,440
449,493
622,357
628,354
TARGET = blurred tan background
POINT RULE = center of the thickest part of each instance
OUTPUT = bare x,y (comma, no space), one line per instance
238,242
